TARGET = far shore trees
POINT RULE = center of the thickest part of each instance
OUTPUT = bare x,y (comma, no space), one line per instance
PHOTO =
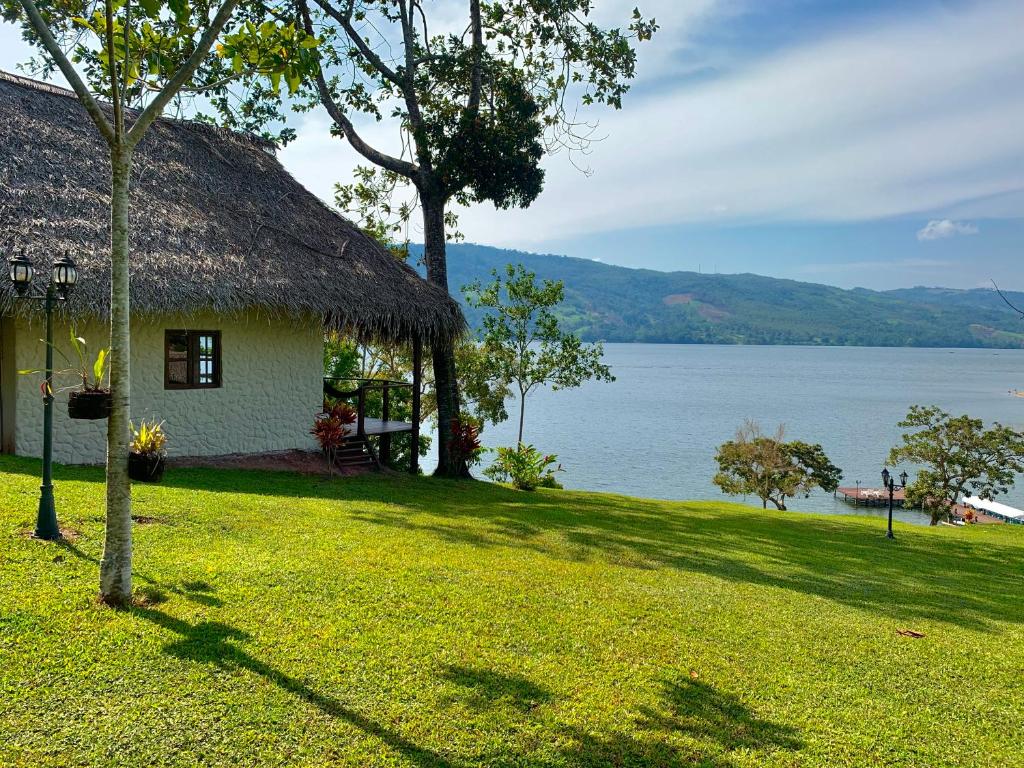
958,456
522,346
755,464
477,95
140,55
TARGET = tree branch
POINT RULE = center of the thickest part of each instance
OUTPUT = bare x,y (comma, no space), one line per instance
115,85
182,76
473,102
1003,297
375,156
51,47
345,19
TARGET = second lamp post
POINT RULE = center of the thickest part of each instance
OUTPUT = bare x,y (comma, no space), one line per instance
62,280
889,482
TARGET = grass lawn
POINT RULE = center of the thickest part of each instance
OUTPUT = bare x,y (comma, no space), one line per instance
374,621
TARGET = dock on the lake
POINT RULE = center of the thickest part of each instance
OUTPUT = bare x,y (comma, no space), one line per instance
872,497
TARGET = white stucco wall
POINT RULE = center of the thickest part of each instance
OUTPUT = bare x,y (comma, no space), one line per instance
272,386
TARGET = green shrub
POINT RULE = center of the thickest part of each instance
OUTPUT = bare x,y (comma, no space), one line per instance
525,467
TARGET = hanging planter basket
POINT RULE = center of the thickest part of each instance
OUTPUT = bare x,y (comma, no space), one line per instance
146,467
89,404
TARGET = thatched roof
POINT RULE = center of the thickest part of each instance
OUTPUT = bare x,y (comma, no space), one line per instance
217,224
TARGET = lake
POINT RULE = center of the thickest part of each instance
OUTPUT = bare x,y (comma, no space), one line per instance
653,432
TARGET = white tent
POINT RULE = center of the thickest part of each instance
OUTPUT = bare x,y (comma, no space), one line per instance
994,508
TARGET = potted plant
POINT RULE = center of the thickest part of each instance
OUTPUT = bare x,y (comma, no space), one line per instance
148,453
92,401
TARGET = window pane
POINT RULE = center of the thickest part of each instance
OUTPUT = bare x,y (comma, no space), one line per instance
177,358
204,345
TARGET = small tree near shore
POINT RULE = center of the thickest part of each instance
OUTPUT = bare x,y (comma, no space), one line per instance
755,464
958,455
523,346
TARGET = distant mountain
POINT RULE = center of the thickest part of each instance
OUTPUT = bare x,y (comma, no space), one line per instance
613,303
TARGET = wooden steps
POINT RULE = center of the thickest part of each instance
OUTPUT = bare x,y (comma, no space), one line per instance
356,453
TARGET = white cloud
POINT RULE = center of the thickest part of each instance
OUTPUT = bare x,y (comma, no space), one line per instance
906,116
939,229
919,115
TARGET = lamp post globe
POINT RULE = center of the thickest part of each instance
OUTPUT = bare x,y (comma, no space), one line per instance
21,272
885,477
65,275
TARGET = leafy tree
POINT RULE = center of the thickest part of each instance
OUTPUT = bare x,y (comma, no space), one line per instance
476,99
523,346
957,454
140,55
772,469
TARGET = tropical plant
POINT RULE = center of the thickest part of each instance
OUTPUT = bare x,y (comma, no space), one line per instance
772,469
958,455
523,346
149,438
138,56
525,467
329,429
465,441
93,372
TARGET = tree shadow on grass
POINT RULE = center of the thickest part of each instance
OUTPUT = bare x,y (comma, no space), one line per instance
955,578
693,724
960,580
483,689
217,643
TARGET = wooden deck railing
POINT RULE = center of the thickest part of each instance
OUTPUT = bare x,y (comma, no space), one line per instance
364,386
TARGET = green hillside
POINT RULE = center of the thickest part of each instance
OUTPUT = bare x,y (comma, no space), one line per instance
613,303
375,621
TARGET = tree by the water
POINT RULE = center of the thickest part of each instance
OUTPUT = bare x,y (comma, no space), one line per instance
768,467
136,58
958,455
477,100
522,346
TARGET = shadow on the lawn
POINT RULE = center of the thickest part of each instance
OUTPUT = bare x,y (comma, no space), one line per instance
919,576
715,724
213,642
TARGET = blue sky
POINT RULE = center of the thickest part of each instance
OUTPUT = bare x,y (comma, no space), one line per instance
871,143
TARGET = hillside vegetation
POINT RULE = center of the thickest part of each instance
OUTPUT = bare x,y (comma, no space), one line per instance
612,303
391,621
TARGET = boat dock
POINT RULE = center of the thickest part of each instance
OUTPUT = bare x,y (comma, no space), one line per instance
872,497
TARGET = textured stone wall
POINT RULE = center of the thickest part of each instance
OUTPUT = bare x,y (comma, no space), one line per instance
272,386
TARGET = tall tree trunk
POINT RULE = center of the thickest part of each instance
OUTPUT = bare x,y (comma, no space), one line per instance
522,414
446,384
116,565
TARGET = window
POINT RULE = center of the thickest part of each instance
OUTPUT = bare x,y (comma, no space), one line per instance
191,359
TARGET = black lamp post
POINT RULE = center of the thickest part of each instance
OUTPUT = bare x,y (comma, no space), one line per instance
889,482
62,280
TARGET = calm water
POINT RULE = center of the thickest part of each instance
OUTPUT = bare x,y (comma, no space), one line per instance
653,432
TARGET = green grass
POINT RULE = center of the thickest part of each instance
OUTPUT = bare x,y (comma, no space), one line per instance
390,621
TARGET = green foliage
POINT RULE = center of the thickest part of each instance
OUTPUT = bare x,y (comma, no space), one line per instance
149,438
772,469
958,456
93,372
522,345
151,40
384,620
525,467
605,302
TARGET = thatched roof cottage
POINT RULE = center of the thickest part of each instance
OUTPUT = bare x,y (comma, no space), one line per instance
236,272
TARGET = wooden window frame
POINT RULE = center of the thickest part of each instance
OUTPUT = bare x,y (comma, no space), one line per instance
193,359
